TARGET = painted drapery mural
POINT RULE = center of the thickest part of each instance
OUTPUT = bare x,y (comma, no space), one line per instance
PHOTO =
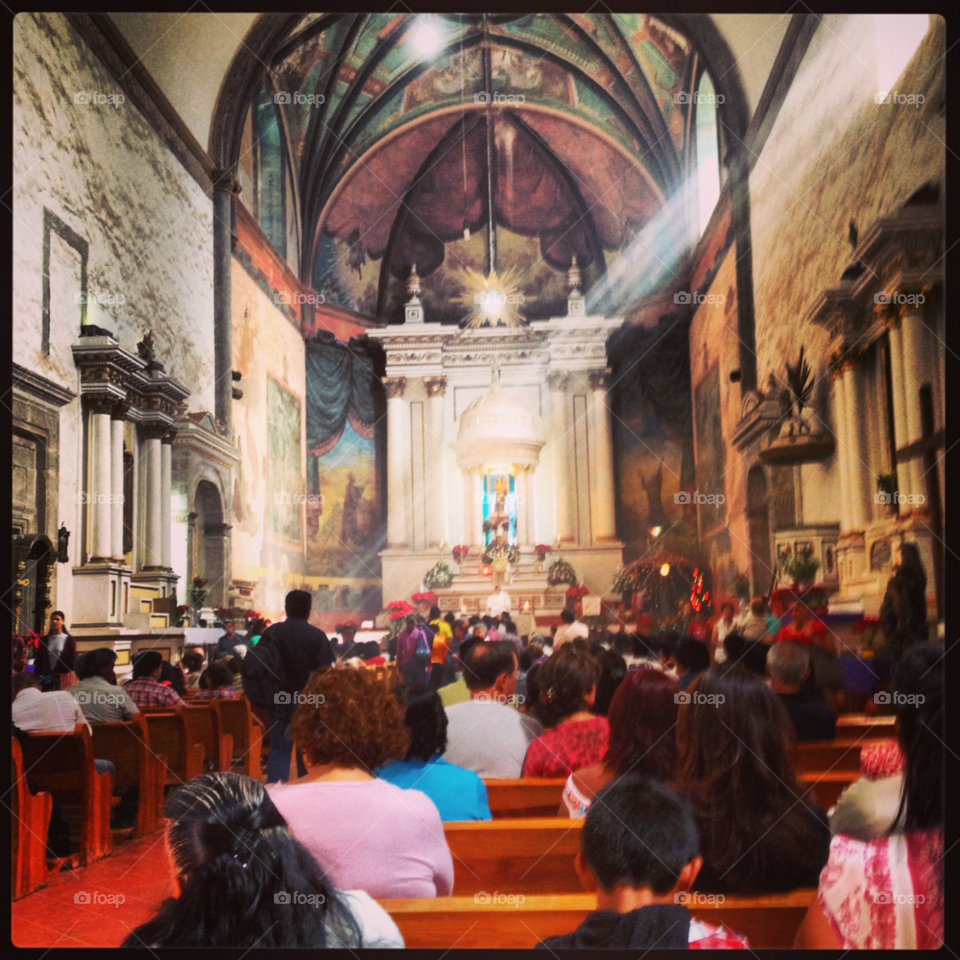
653,438
345,510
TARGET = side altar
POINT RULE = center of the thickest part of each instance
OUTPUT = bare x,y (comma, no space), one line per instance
499,439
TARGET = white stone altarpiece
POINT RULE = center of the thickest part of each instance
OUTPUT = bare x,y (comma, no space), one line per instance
508,424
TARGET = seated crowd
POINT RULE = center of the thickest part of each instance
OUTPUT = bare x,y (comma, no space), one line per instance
680,761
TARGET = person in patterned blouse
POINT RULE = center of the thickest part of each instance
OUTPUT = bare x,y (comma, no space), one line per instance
578,738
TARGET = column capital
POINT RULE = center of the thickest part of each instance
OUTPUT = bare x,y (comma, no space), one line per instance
120,410
599,379
394,386
435,386
224,181
169,437
100,403
557,380
155,430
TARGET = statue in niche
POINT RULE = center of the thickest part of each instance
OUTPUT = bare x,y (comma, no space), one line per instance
654,489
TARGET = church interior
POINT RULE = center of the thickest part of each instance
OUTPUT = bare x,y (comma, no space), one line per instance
635,316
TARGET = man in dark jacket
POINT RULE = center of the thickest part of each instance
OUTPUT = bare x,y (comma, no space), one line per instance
301,648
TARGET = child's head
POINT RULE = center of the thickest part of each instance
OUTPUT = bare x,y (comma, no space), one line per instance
639,834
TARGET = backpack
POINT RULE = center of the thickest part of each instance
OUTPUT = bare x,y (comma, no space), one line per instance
262,674
424,645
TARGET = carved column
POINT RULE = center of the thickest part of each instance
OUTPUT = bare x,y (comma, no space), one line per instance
840,431
101,476
118,415
166,492
397,480
224,188
437,478
153,496
858,468
913,335
561,443
522,487
602,487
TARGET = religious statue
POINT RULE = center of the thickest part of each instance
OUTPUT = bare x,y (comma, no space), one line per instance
63,540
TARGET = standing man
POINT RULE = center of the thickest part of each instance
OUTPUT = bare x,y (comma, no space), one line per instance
297,648
570,629
227,642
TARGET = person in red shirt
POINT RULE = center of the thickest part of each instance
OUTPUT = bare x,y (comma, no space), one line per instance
568,688
824,648
145,689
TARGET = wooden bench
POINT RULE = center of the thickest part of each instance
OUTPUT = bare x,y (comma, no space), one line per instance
127,746
524,797
462,923
859,726
827,755
168,736
203,727
827,785
536,854
235,719
62,764
29,825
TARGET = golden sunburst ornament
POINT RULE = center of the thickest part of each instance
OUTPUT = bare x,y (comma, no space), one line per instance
493,299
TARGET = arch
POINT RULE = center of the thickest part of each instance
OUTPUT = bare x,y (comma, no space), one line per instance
209,553
758,525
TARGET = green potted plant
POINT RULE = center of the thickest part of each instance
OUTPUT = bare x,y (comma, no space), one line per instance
741,586
801,566
438,577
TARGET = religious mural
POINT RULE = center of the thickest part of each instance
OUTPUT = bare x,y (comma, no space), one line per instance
345,510
283,455
710,472
653,439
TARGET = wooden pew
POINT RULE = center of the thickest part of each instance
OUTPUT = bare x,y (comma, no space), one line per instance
62,764
524,797
127,746
856,726
236,719
827,785
827,755
29,826
203,727
461,922
168,736
532,855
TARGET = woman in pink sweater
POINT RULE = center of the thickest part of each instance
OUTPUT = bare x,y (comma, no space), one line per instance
367,834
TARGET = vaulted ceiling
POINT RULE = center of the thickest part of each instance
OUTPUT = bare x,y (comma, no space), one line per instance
396,154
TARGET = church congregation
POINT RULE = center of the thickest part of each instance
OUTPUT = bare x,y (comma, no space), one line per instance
479,481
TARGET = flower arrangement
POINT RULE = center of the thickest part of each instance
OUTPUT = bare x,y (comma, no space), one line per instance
427,595
561,572
252,615
542,549
741,585
802,566
439,576
398,609
224,614
577,591
347,627
460,553
864,624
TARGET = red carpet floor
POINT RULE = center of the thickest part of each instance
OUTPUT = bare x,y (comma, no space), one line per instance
57,916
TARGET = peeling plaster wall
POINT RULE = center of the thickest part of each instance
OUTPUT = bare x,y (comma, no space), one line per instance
834,155
104,172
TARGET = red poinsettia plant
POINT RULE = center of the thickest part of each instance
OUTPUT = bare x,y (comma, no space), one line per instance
427,595
347,627
460,553
861,626
398,609
578,592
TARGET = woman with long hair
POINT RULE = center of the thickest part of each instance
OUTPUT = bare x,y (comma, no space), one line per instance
903,613
643,739
613,671
758,832
578,738
56,656
883,888
243,880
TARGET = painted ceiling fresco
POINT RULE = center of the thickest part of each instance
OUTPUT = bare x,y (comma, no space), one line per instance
389,146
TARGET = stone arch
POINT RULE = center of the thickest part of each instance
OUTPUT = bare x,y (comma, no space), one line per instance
209,551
